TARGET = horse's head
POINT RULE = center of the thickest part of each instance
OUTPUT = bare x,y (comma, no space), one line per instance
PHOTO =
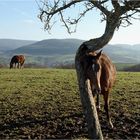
11,65
94,71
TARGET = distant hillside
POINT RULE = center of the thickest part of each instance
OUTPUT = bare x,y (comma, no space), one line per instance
10,44
123,53
135,68
120,53
51,47
53,52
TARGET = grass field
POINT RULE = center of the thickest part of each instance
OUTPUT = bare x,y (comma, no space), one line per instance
45,103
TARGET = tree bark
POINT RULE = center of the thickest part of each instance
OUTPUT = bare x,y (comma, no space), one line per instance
89,108
88,103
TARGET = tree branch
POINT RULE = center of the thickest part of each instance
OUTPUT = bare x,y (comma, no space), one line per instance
115,4
98,4
50,9
88,8
130,6
56,10
65,24
53,7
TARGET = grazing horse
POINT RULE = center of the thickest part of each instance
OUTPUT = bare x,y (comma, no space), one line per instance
101,73
18,61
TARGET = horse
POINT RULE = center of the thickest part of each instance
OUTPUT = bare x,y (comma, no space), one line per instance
18,61
101,73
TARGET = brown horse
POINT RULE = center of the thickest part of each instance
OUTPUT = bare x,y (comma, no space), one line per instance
18,61
99,69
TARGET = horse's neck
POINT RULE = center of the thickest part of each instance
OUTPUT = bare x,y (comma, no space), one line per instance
106,63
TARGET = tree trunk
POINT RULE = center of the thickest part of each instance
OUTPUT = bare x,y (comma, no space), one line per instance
89,107
87,100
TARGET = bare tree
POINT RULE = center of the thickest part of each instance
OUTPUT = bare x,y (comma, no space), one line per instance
115,13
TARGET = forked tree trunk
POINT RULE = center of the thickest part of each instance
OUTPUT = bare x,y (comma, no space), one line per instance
87,100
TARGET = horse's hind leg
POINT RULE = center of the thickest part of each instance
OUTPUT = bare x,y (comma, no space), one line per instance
22,65
106,107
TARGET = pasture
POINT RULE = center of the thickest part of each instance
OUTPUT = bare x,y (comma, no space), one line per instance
45,103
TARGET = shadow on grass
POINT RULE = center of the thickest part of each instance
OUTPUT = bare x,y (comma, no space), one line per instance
69,126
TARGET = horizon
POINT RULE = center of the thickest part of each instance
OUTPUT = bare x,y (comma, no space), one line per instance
24,25
64,39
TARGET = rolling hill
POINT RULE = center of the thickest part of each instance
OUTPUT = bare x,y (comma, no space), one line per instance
53,52
10,44
51,47
122,53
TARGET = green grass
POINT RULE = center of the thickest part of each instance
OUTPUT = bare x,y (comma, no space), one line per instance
45,103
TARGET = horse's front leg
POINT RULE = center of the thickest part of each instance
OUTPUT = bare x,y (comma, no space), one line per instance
106,107
98,103
96,97
15,65
19,65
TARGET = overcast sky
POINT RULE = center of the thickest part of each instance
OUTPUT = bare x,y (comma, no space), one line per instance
18,20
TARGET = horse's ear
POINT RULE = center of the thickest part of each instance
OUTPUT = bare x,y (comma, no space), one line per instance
99,54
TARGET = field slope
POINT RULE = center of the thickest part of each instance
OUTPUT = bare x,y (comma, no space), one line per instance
45,103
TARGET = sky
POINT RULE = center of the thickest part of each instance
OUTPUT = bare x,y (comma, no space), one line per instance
18,20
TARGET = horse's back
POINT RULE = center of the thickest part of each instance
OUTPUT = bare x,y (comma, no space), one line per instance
18,59
108,74
21,58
